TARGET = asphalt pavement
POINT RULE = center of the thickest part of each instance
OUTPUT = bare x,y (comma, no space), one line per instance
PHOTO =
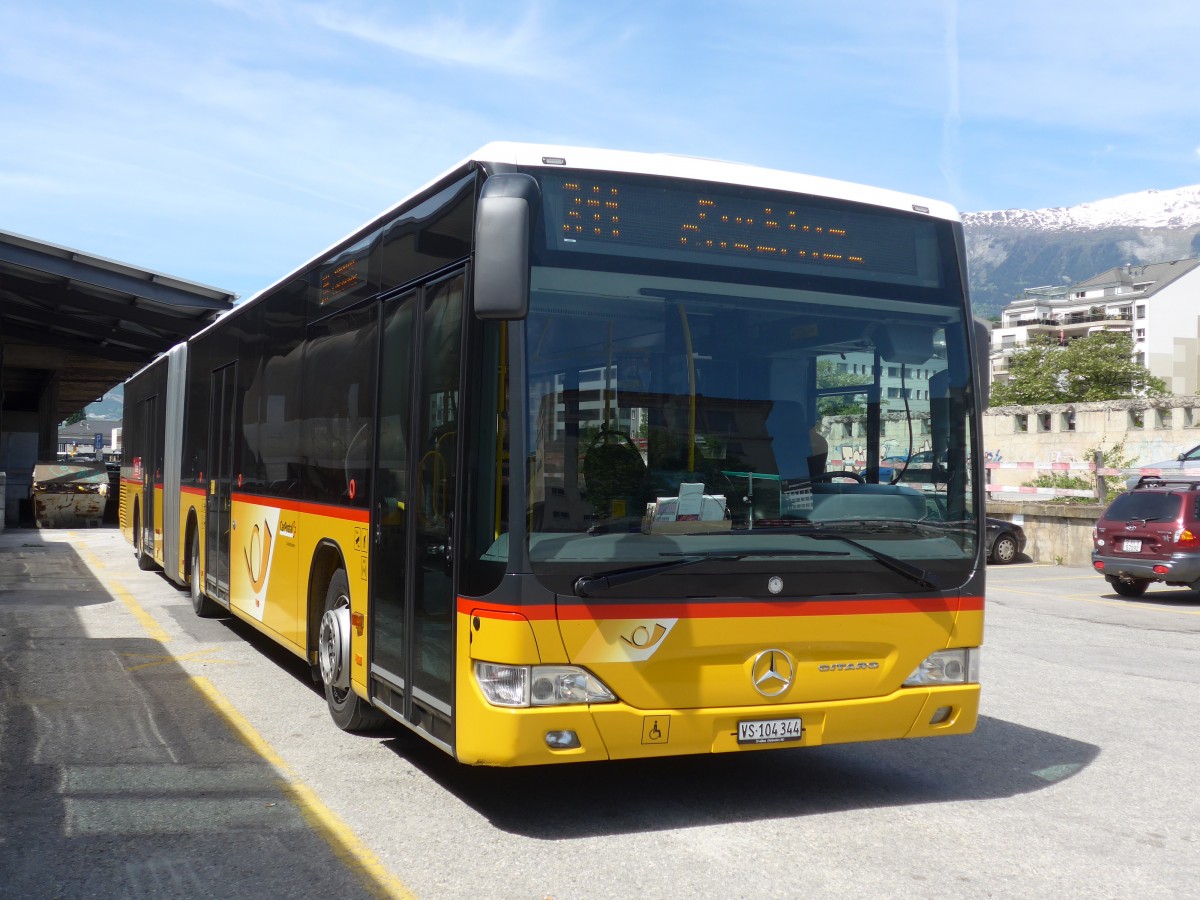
145,752
120,774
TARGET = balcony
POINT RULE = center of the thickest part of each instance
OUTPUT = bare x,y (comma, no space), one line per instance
1075,323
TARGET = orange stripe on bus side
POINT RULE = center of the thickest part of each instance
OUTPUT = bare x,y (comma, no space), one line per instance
686,609
315,509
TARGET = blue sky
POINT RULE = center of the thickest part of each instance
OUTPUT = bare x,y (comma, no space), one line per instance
227,141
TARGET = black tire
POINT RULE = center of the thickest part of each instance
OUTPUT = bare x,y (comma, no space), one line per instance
1133,588
1004,549
145,561
349,711
204,606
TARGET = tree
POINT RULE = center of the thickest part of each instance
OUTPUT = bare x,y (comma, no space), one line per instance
839,404
1097,367
75,418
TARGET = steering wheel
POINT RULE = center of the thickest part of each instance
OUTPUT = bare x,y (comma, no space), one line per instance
832,476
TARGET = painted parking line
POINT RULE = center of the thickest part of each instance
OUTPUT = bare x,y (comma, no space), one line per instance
118,590
1143,604
350,851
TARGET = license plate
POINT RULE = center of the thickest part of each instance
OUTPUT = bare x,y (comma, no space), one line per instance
770,731
1132,546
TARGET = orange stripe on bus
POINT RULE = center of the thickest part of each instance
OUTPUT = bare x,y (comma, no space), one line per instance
316,509
691,609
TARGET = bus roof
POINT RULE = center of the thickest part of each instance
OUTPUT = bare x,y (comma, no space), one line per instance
667,165
674,166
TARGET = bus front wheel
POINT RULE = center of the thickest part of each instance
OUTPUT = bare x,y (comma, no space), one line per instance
204,605
349,711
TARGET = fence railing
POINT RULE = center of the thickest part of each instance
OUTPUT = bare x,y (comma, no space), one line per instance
1098,493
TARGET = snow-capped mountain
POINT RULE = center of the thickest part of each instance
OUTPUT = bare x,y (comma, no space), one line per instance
1178,208
1013,249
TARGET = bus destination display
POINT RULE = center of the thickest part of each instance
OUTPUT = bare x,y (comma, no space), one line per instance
605,215
343,276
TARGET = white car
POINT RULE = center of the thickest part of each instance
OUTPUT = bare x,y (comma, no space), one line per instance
1187,464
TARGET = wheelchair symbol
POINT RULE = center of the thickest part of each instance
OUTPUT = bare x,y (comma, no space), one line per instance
656,729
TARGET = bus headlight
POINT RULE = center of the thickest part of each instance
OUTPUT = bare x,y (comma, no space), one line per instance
505,685
552,685
947,667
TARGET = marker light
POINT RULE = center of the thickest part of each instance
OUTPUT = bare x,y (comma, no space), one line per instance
516,686
947,667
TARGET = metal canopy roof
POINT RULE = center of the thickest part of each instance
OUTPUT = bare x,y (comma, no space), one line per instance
91,321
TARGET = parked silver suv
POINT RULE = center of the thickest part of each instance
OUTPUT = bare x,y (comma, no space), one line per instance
1185,464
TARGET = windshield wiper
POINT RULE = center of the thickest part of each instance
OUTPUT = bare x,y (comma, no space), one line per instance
920,577
589,585
831,531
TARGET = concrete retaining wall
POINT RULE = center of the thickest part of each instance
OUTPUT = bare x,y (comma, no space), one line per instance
1150,430
1057,532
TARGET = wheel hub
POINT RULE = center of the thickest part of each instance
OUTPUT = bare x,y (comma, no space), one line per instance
333,647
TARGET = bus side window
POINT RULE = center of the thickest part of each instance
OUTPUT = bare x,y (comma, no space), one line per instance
338,409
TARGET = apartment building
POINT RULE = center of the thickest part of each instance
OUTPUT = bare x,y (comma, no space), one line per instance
1157,304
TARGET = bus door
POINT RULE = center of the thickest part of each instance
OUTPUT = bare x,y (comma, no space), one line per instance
219,504
151,470
412,593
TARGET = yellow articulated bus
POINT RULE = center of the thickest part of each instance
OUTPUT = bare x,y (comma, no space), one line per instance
575,455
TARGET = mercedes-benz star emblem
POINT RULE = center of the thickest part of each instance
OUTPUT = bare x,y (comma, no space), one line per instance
772,673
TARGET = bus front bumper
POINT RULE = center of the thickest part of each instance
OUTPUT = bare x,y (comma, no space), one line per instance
534,736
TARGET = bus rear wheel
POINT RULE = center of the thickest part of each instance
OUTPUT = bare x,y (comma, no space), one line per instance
349,711
145,561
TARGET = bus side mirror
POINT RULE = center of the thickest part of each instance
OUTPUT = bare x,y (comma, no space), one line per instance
502,233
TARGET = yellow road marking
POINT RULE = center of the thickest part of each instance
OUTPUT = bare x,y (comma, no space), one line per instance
345,844
147,621
1068,575
158,659
1141,605
90,558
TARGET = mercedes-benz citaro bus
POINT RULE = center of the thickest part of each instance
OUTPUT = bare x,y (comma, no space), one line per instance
575,455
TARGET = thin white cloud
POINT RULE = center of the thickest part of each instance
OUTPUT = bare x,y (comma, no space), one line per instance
519,45
241,135
174,159
952,122
1080,63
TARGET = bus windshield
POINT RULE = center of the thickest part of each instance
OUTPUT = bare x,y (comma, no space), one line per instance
709,422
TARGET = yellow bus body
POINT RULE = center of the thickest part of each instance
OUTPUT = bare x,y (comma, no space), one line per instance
704,665
684,695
